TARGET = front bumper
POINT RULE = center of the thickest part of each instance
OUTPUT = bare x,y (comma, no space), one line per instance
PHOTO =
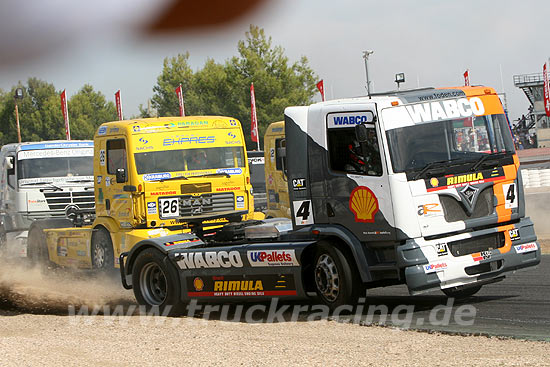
438,263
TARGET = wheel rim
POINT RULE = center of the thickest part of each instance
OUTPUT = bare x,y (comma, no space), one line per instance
326,278
152,283
99,255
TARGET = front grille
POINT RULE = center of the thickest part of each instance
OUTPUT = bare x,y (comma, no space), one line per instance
455,211
207,203
58,200
477,244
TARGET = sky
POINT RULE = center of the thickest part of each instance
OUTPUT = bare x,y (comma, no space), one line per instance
71,43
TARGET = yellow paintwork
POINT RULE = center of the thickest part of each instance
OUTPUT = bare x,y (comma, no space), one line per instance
278,204
123,212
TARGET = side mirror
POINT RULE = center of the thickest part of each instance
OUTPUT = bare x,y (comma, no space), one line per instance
9,163
120,175
361,133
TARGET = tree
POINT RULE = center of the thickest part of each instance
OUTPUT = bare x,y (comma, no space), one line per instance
276,83
225,89
87,110
175,70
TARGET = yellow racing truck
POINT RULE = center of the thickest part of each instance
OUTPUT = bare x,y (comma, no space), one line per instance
152,178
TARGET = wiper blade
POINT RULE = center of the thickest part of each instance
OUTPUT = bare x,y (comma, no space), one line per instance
76,181
56,188
171,179
225,174
428,167
487,157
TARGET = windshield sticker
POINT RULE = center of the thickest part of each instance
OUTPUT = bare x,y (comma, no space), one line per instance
157,176
349,119
230,171
442,110
55,153
79,144
256,160
461,180
189,139
364,204
48,180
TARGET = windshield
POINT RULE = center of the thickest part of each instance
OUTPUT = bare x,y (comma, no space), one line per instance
458,140
189,160
54,167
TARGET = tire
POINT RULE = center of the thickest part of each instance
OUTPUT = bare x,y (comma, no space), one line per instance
156,283
37,246
461,291
102,250
336,282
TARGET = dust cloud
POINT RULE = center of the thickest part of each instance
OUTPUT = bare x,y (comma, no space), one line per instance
51,291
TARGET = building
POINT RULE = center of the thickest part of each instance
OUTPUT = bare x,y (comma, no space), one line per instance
533,87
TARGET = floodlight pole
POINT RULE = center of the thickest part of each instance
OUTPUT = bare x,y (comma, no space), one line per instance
18,95
366,55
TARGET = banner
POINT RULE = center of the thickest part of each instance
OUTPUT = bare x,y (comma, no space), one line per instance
546,90
321,88
118,106
179,93
65,112
467,77
253,118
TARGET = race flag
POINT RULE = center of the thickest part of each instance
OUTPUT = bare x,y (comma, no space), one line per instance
253,118
467,78
321,88
179,93
546,90
65,112
118,106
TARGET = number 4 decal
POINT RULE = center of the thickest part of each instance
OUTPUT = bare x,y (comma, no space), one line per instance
303,212
510,196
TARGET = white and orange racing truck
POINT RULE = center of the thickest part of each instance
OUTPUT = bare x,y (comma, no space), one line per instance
415,187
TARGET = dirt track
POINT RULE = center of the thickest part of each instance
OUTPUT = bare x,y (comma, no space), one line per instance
36,330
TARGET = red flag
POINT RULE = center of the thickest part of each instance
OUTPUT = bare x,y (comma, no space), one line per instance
321,88
467,78
118,105
65,112
180,100
253,118
546,90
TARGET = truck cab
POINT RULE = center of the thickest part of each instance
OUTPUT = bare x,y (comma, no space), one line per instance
276,181
155,177
40,180
423,184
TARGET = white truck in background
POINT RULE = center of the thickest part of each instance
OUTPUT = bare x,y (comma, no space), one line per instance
40,180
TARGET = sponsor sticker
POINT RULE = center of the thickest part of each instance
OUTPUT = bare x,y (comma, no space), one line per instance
151,207
429,210
268,258
55,153
463,180
240,202
102,157
526,247
349,119
102,130
99,179
364,204
514,234
434,267
209,259
157,176
230,171
298,184
483,255
241,285
441,249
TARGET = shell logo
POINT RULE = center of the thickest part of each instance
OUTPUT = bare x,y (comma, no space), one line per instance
198,283
364,204
434,182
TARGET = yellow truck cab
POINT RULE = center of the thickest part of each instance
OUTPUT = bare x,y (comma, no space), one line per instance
156,177
278,204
